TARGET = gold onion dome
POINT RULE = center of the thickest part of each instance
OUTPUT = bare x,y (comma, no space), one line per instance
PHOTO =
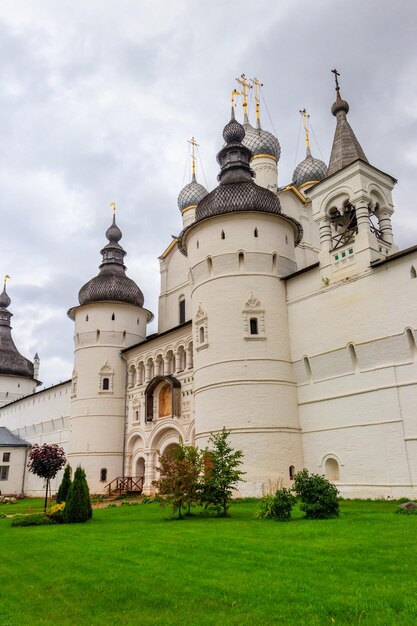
191,194
111,284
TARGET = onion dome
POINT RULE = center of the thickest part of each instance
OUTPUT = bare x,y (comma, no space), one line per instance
310,170
12,363
191,195
237,190
111,284
346,148
259,141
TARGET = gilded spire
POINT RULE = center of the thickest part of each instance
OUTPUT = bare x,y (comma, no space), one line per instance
194,145
346,148
257,92
306,117
245,85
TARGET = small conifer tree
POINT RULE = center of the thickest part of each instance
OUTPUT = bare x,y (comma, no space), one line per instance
78,506
64,486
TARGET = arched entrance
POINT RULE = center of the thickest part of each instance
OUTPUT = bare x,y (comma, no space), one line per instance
140,468
163,397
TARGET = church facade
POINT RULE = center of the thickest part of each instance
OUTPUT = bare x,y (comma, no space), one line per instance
286,315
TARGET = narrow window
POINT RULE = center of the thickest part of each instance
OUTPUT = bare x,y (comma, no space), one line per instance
255,232
86,318
4,472
210,265
274,262
113,317
136,415
308,368
286,238
241,260
181,306
97,335
137,321
124,336
197,245
223,236
291,471
253,322
106,384
103,474
6,457
411,342
413,273
201,334
353,357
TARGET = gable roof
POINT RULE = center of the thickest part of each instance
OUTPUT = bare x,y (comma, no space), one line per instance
11,441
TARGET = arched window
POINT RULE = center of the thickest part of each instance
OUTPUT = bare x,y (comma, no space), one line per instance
223,236
255,232
274,262
210,265
241,260
353,357
86,318
113,317
181,311
413,273
331,468
106,384
201,335
411,342
253,326
307,366
197,245
291,471
103,475
97,335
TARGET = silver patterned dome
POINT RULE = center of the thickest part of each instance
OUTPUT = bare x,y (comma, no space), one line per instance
12,363
260,141
191,194
112,284
309,170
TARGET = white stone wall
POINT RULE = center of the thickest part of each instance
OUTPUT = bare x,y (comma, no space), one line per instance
174,270
14,484
15,387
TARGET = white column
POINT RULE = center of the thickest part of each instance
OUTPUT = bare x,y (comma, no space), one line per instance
325,231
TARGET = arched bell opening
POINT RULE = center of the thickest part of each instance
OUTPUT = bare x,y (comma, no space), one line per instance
163,397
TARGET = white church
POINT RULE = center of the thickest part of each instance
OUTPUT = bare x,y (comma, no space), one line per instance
286,314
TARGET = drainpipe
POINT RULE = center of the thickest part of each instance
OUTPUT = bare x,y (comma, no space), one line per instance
125,416
24,470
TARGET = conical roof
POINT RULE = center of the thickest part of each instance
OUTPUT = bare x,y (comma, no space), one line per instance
12,363
111,283
346,148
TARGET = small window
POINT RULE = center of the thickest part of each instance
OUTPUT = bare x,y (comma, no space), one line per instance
201,334
182,310
274,262
138,321
255,232
241,260
137,415
197,244
286,241
291,471
6,457
103,474
253,324
86,318
106,384
210,265
4,472
413,273
223,236
113,317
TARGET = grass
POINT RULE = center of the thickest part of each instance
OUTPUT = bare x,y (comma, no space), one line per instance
130,565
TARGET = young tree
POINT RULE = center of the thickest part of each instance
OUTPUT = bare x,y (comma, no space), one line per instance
179,470
221,474
64,486
78,506
45,461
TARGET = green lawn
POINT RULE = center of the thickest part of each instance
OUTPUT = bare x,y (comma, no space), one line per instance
131,566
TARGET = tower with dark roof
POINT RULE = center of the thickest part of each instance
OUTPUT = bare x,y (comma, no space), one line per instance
110,317
238,248
17,376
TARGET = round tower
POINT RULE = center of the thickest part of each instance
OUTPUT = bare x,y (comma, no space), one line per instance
238,249
110,317
17,377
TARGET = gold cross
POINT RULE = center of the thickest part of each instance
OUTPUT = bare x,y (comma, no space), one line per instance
245,85
305,120
257,87
194,145
113,207
6,278
234,93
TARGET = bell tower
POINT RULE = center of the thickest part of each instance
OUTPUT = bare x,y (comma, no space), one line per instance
352,205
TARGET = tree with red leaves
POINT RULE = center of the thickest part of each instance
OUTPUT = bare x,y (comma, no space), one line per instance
45,461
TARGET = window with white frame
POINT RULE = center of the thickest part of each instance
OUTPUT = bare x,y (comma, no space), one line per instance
201,329
106,375
253,319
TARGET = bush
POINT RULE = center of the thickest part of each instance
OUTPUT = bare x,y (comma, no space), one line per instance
78,506
277,506
56,512
318,496
64,486
36,519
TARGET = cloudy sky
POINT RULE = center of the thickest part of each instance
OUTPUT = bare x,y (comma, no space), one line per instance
98,99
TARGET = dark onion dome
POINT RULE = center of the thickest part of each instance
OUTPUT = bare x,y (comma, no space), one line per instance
260,142
12,363
237,190
310,170
111,284
191,195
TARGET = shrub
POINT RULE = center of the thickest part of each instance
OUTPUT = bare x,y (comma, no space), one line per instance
318,496
64,486
56,512
78,506
277,506
36,519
